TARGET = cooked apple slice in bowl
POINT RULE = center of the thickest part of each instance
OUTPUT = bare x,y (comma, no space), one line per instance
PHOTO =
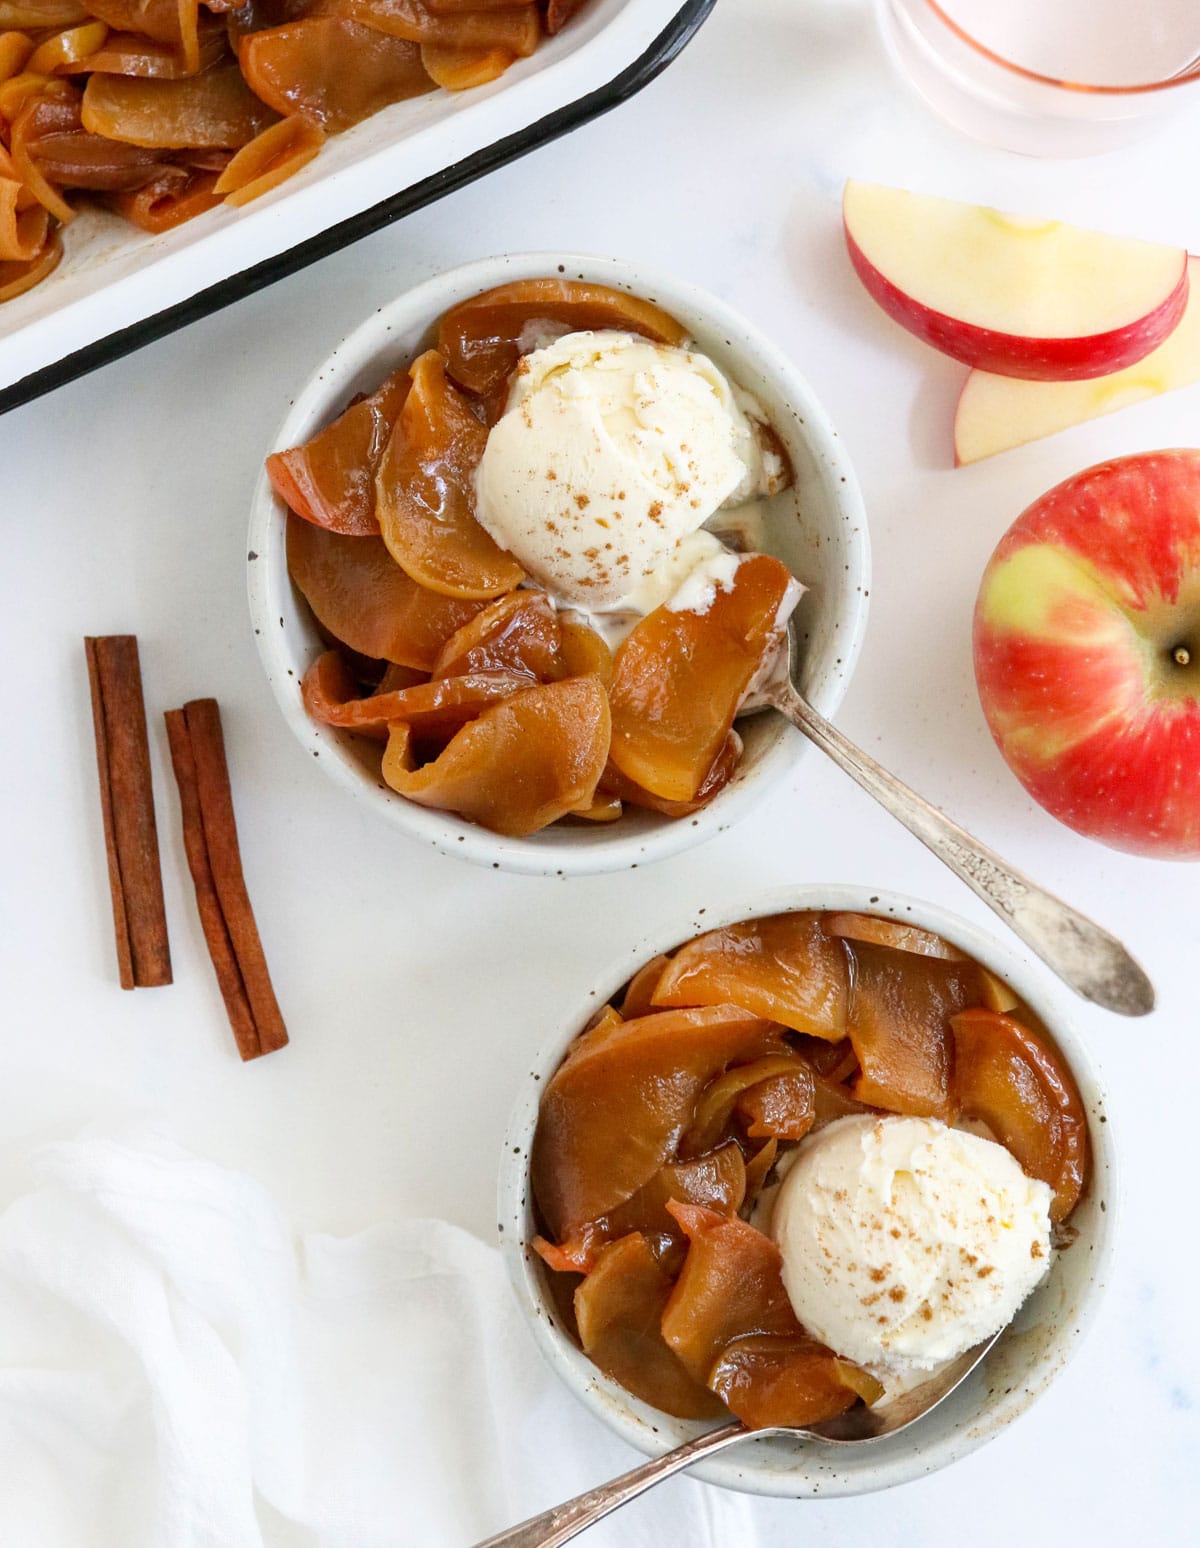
1006,293
425,494
681,675
1010,1077
650,1172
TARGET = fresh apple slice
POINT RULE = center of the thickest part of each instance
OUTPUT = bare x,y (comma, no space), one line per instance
1024,297
996,413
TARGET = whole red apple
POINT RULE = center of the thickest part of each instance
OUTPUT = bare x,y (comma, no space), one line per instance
1087,652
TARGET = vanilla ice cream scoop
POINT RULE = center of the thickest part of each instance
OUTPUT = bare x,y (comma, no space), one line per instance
905,1242
611,454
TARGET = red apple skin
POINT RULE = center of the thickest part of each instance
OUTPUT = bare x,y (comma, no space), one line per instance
1010,354
1081,611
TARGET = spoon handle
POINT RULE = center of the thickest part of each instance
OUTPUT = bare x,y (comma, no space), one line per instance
561,1523
1089,959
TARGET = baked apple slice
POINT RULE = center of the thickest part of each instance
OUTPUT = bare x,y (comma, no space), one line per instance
48,151
434,708
520,766
165,20
835,1061
615,1109
606,1016
425,492
330,70
680,676
364,599
462,69
792,1379
514,26
719,1101
783,1106
832,1101
482,339
329,686
330,479
731,1284
997,995
178,194
213,110
181,40
758,1169
639,995
890,932
783,967
582,649
560,12
1008,1077
714,782
517,633
717,1181
899,1024
396,677
618,1311
601,808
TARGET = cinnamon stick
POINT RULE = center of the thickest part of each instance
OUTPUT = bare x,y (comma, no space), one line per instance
212,921
214,859
127,806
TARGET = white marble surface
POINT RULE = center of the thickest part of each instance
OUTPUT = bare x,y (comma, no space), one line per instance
414,987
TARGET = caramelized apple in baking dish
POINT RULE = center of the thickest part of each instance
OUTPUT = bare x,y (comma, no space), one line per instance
161,109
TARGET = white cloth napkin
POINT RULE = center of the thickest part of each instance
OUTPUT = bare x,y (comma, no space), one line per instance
179,1370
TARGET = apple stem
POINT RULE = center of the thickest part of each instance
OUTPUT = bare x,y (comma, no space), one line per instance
1182,656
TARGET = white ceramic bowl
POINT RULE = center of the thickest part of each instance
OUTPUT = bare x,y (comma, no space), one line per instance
1038,1344
819,530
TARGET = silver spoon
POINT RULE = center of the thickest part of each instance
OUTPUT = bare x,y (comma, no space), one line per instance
1089,959
856,1428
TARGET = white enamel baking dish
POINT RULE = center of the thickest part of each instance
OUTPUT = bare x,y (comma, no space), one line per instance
118,288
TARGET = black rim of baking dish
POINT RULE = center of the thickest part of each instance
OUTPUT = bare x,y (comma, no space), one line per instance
671,41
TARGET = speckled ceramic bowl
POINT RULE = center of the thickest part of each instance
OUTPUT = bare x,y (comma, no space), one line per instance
1023,1363
818,529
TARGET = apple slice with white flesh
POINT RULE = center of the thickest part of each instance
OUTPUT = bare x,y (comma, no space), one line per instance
996,413
1022,297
